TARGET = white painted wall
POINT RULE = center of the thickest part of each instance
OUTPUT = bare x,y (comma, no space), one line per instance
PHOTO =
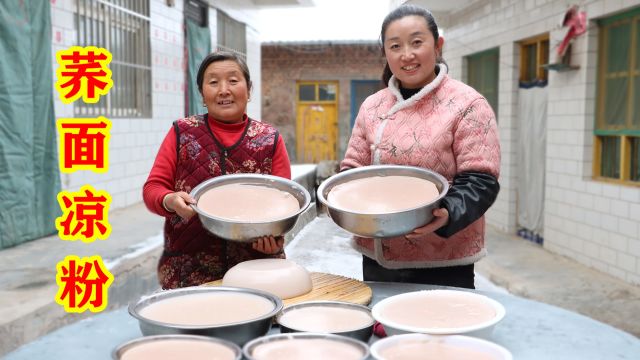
246,12
135,142
595,223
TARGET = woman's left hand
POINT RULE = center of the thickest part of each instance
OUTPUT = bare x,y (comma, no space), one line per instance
441,218
269,244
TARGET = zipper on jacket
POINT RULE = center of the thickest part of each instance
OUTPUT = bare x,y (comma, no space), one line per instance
223,167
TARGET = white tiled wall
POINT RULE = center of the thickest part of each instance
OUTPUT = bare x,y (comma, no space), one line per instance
135,142
244,11
593,222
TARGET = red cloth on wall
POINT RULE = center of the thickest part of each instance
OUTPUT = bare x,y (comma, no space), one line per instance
577,23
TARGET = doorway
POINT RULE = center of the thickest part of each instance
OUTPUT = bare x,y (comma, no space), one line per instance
316,120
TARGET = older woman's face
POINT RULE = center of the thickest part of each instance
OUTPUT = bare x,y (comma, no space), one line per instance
411,51
225,91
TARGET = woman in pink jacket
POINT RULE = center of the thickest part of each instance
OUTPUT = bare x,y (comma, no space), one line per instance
425,118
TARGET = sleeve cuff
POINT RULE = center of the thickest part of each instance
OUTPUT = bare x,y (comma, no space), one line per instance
164,204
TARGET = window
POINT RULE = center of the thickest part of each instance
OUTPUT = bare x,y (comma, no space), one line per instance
317,91
231,34
617,123
360,90
534,53
121,27
197,11
483,75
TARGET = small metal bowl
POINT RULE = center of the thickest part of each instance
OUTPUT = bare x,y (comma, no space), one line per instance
245,231
119,351
251,345
238,332
359,333
387,224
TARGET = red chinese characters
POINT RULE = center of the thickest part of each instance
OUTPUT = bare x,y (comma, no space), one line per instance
85,215
83,144
83,72
83,284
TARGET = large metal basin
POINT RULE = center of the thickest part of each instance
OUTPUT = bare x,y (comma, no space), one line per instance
238,333
245,231
387,224
118,352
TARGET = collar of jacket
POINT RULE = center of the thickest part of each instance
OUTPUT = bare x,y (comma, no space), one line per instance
394,87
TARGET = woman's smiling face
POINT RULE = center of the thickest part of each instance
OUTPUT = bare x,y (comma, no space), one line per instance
225,91
411,51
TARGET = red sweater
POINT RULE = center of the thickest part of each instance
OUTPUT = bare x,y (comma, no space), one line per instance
162,176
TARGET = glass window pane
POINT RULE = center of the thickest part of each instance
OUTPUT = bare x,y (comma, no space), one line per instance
635,119
545,58
530,62
483,75
474,78
307,92
634,166
610,157
618,44
615,105
490,83
637,44
361,90
326,92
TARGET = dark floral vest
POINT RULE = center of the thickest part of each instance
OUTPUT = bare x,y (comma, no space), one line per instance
192,255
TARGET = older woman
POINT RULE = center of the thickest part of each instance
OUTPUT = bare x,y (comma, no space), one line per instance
425,118
224,140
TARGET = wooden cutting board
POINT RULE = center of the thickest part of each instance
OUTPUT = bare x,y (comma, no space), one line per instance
329,287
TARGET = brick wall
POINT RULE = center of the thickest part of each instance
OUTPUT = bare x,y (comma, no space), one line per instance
593,222
285,63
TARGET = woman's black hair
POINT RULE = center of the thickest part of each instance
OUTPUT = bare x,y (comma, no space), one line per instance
222,56
399,13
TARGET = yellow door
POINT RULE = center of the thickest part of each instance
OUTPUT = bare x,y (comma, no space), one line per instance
317,121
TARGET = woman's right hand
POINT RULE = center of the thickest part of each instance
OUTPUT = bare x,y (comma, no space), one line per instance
179,202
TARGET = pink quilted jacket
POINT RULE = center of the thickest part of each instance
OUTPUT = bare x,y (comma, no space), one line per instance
447,127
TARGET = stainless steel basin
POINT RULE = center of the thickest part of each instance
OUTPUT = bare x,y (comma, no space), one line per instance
249,348
386,224
245,231
239,332
362,333
119,351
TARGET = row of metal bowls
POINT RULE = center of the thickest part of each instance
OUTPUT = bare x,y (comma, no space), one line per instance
240,332
244,331
367,225
252,332
247,350
376,350
249,333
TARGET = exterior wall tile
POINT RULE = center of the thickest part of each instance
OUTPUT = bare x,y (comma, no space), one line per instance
135,142
593,222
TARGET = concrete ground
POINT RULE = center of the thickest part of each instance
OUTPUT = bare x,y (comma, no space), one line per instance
28,288
513,264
